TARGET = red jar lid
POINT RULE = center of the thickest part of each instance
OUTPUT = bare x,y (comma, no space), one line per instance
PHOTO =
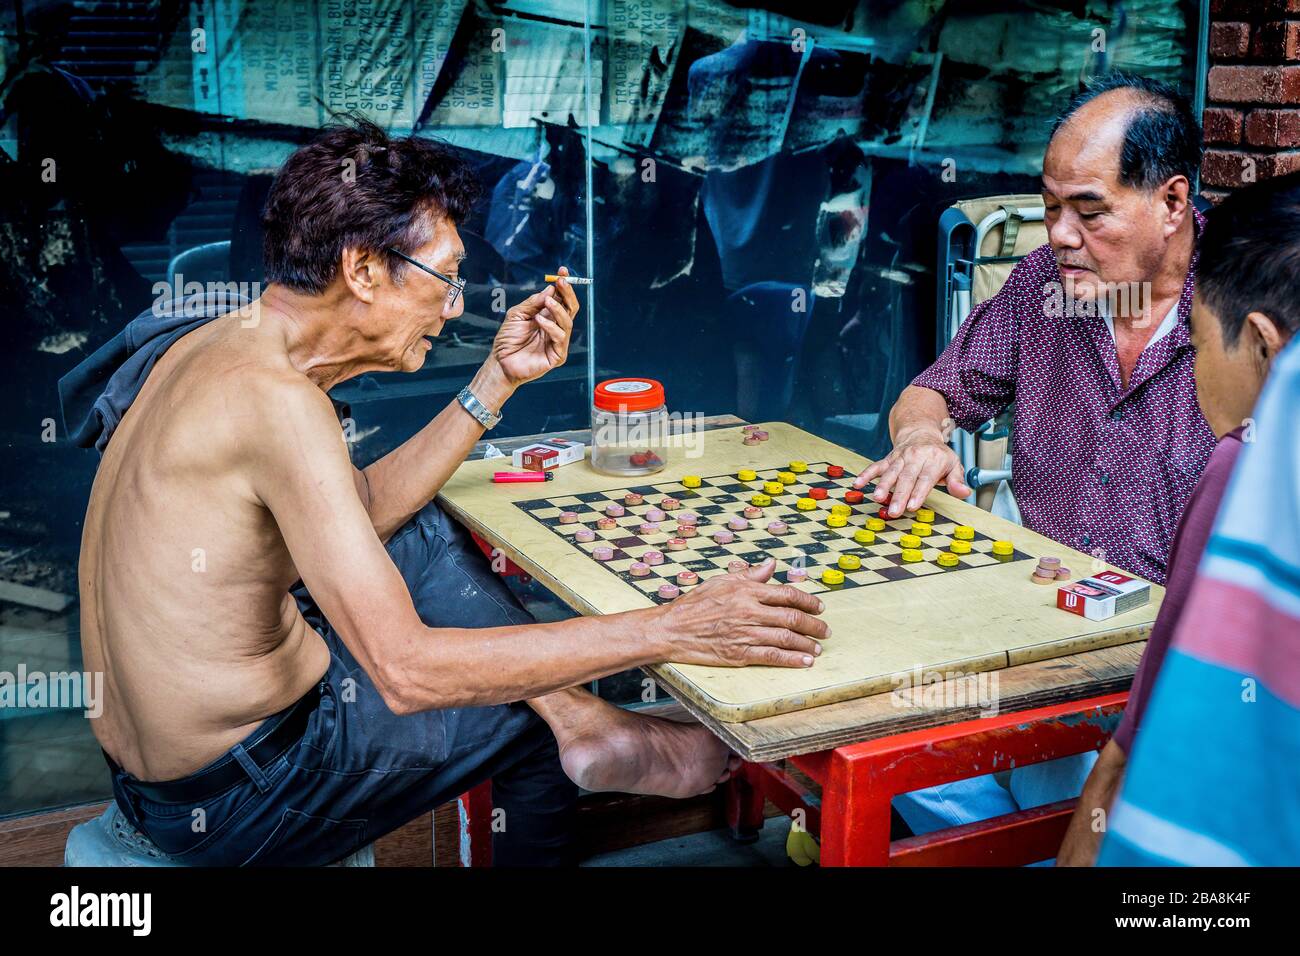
629,395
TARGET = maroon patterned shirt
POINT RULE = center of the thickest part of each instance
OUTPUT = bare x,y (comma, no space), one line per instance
1096,466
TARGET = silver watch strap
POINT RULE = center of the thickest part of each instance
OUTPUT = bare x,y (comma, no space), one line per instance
470,402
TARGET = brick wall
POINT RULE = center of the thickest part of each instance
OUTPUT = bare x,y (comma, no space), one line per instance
1252,112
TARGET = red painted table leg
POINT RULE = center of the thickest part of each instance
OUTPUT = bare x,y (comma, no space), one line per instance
855,816
744,802
500,563
859,782
475,809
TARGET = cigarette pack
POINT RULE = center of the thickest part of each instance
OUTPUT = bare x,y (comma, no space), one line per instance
548,454
1103,595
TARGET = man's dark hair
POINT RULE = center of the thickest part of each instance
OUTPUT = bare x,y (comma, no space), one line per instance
354,186
1250,256
1163,138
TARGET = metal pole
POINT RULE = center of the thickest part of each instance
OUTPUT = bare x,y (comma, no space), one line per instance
1202,69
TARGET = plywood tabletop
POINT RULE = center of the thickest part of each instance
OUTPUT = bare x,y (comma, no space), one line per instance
976,619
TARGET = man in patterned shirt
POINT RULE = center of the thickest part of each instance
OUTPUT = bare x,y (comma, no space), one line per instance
1090,339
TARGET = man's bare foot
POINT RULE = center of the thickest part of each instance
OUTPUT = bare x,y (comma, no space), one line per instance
634,753
603,747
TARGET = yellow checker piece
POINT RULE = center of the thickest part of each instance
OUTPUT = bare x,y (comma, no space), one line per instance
773,488
798,467
836,521
832,576
909,541
963,532
806,504
850,562
691,481
864,536
959,547
746,474
925,515
912,554
948,560
786,477
876,524
760,500
845,510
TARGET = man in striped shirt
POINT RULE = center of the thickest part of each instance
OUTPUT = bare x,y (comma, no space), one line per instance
1214,778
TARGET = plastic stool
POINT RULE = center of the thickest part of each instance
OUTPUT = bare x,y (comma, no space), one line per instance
109,840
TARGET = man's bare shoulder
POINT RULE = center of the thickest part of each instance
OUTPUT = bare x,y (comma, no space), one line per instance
283,416
231,401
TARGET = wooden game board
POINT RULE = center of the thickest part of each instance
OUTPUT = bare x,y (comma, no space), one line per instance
889,620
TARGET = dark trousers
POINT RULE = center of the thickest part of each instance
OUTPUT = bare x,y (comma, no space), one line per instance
359,771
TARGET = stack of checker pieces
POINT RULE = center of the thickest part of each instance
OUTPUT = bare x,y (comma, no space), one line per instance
810,544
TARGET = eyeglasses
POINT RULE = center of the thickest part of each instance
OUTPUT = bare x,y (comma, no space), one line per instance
457,284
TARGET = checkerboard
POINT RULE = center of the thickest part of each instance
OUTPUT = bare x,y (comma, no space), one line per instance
810,542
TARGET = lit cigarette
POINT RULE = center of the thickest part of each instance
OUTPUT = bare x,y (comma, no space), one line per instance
572,280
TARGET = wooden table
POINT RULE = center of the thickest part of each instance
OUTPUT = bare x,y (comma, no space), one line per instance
893,624
1062,704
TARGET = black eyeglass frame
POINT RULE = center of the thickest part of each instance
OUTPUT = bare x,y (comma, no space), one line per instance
457,284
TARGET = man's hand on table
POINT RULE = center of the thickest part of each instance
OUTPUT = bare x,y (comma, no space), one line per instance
534,336
920,459
732,620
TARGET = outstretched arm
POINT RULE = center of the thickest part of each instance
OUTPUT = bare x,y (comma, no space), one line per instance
1083,836
301,472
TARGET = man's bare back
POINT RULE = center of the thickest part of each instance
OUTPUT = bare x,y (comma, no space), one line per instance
185,575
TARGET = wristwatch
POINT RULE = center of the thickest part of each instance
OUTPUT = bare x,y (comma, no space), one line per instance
469,401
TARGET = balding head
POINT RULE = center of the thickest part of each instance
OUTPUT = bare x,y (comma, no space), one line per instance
1117,181
1149,124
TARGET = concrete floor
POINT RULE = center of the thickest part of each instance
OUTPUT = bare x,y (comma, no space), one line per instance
714,848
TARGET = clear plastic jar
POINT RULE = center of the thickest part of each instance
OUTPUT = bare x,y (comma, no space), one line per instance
629,427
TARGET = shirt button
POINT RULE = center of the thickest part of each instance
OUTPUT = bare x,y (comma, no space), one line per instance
1085,540
1117,414
1104,479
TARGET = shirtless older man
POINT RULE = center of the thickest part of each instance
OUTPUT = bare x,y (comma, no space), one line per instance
301,656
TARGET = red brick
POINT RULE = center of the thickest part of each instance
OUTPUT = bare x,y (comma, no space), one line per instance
1252,9
1229,40
1279,164
1255,84
1222,167
1272,128
1222,124
1227,168
1277,42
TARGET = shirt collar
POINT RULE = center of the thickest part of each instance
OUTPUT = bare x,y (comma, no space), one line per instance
1167,325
